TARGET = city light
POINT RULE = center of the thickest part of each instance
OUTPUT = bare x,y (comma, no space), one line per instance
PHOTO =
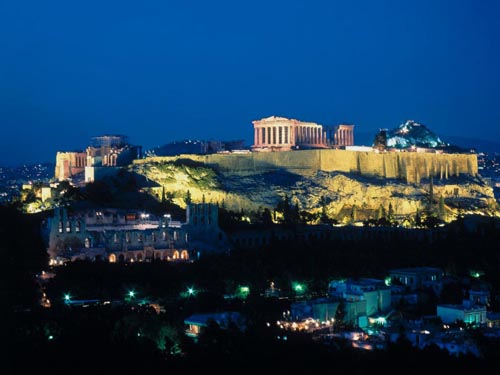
190,291
243,291
298,287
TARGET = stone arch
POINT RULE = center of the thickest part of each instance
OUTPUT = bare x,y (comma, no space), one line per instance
176,255
112,258
184,254
121,258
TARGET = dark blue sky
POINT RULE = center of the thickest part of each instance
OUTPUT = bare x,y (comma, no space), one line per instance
162,71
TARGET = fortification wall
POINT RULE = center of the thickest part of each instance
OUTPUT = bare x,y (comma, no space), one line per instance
407,166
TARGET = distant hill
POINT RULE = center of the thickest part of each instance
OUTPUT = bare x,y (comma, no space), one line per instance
480,145
366,138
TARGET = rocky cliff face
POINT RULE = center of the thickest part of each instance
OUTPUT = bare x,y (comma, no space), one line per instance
337,192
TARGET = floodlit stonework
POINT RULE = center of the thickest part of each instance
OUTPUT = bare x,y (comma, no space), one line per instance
283,134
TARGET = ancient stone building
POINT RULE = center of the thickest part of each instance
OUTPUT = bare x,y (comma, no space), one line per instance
69,164
283,134
131,235
104,153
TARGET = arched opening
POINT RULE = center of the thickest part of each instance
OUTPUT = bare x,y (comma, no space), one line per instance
112,258
184,254
139,257
121,258
176,255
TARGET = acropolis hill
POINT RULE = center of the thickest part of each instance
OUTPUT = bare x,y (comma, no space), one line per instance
317,167
345,179
409,167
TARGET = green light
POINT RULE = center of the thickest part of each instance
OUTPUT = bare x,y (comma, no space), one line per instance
51,337
243,292
244,289
298,287
131,293
387,281
188,292
67,297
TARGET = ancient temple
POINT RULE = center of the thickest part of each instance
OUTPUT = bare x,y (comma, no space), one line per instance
283,134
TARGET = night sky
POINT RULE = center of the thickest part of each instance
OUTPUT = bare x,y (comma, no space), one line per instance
163,71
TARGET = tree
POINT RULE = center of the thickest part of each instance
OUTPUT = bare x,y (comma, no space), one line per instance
266,216
187,198
431,190
381,214
441,210
418,218
390,213
354,213
340,314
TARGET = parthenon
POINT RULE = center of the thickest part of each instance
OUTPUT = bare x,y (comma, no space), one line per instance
282,134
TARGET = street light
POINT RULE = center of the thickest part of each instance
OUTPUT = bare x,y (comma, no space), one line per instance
298,287
67,298
244,291
190,291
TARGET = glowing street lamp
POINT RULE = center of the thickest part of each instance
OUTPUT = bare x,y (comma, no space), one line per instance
298,287
243,291
190,291
67,298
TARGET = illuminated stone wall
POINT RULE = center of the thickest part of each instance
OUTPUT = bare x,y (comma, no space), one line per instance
407,166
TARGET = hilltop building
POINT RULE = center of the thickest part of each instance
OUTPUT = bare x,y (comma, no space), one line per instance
131,235
101,158
283,134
